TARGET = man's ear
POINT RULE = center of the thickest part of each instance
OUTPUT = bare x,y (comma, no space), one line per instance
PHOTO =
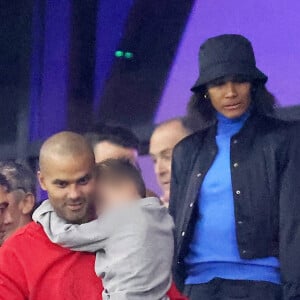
41,180
27,204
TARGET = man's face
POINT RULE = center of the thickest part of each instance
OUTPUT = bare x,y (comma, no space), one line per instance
3,206
162,143
17,212
70,184
106,150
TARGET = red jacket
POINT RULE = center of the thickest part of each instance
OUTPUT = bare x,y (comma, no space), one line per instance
174,294
31,267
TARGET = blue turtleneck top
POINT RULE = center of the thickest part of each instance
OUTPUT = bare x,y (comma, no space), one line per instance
213,251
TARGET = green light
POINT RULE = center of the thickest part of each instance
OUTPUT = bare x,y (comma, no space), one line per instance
119,53
128,55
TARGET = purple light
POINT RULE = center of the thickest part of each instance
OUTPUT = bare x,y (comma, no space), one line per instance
272,26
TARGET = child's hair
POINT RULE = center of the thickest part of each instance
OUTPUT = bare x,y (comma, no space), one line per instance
121,169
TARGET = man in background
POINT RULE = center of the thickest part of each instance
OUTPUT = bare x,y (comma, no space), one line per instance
4,187
162,142
19,203
31,267
113,142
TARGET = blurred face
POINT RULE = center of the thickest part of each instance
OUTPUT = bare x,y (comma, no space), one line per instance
113,192
3,206
70,184
162,143
106,150
17,213
231,98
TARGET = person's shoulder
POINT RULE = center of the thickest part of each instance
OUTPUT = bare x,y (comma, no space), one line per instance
192,139
294,125
152,204
150,201
294,132
24,237
137,211
187,146
134,208
195,137
44,208
289,113
152,208
277,122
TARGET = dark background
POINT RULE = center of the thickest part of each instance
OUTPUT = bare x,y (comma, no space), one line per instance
59,70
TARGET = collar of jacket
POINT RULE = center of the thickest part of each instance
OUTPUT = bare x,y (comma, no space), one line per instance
255,117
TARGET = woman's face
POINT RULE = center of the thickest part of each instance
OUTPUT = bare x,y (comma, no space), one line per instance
230,98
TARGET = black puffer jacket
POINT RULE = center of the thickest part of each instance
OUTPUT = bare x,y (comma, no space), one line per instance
265,169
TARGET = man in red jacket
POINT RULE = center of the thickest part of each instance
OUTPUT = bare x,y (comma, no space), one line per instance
4,187
19,202
31,267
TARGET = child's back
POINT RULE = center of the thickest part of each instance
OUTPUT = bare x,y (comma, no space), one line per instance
139,252
133,236
134,245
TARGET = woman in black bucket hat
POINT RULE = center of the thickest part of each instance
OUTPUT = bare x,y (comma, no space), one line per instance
232,191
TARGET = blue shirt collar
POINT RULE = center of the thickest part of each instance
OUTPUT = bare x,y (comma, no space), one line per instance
230,127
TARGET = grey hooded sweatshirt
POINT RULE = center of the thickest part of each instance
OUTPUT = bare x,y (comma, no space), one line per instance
133,242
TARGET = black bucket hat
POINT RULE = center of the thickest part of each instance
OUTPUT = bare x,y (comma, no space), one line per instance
227,55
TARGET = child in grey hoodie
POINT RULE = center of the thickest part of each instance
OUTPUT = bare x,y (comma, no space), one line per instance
132,237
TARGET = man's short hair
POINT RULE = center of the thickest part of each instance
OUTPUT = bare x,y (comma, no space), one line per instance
4,183
117,135
121,169
18,176
184,121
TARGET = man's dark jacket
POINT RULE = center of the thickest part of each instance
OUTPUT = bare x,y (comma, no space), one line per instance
265,170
